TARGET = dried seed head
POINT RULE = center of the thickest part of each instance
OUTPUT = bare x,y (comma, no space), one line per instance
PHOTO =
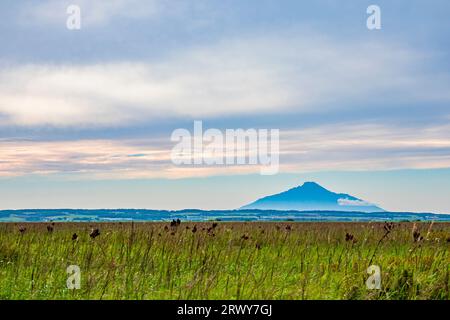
94,233
245,237
388,226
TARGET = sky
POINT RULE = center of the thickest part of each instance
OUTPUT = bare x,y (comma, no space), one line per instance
86,116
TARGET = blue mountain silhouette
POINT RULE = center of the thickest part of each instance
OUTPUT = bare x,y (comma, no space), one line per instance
311,196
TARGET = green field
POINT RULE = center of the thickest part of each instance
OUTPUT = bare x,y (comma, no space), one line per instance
225,260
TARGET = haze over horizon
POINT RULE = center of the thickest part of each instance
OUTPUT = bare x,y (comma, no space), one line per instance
86,115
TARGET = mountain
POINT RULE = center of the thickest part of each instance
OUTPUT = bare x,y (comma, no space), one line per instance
311,196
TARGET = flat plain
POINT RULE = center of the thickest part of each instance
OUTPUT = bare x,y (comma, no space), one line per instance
221,260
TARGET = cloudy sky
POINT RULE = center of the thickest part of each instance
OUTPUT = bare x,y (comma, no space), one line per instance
86,115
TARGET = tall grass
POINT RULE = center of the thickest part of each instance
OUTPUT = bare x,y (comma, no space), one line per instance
224,260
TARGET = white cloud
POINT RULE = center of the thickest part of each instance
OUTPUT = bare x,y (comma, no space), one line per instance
258,74
92,157
325,148
365,147
353,203
102,159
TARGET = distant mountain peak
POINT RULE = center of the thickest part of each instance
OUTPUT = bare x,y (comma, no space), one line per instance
311,185
312,196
